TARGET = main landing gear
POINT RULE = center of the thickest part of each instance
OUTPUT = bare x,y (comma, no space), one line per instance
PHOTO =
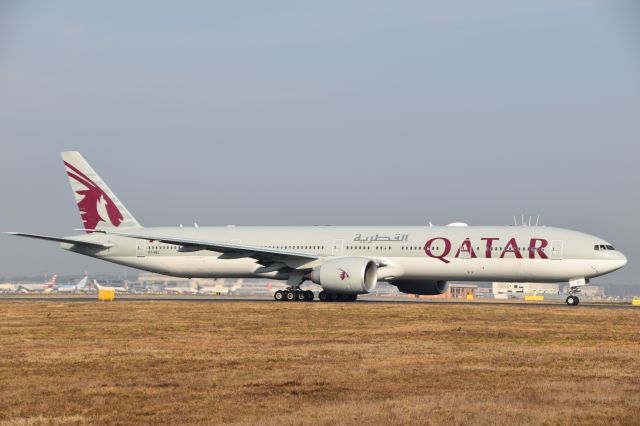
291,295
293,292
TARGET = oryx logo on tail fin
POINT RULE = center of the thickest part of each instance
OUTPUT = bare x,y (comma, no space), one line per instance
99,207
96,206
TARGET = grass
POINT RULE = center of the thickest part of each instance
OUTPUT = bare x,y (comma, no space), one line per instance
300,363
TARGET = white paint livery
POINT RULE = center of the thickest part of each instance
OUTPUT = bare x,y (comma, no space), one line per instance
343,259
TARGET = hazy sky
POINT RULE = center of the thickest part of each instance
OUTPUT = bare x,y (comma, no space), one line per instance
332,112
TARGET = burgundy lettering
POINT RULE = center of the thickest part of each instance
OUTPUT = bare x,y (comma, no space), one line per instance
489,246
447,249
511,247
467,248
535,248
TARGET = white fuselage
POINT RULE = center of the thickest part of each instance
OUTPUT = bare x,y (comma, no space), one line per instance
537,254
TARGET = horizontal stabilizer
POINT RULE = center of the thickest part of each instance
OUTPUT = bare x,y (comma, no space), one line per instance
60,240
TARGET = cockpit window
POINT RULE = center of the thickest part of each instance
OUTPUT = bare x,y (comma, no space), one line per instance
596,247
603,247
610,248
599,247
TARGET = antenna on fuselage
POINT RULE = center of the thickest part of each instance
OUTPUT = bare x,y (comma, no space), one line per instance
195,225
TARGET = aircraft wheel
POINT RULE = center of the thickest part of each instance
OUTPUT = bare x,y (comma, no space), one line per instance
301,296
323,296
572,300
278,296
577,300
310,295
290,296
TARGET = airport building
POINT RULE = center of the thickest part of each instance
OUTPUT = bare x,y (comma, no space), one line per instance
504,290
454,291
592,291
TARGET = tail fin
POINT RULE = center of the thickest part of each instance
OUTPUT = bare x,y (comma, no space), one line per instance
82,283
99,207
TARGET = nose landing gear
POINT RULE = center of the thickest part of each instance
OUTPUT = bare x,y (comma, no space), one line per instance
573,300
574,287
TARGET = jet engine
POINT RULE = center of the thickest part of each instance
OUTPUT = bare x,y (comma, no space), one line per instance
346,275
425,288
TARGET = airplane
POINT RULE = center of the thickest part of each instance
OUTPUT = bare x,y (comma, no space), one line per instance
345,260
30,287
70,288
102,287
51,282
217,289
37,288
181,290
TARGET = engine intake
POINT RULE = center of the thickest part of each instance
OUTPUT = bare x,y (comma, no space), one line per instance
424,288
347,275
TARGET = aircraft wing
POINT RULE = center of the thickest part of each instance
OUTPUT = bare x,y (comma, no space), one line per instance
235,250
60,240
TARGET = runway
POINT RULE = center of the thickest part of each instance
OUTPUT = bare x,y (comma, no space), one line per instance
268,299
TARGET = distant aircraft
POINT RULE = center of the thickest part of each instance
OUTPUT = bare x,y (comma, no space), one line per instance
102,287
180,290
51,282
71,288
345,260
218,289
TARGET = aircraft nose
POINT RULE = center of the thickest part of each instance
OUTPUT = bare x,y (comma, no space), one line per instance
619,261
623,259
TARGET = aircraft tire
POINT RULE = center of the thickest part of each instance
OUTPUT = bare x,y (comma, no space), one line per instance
290,296
301,296
572,300
310,295
323,296
278,296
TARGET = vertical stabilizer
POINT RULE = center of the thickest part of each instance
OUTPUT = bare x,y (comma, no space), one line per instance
99,207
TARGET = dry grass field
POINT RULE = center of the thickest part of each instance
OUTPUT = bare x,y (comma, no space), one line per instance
316,363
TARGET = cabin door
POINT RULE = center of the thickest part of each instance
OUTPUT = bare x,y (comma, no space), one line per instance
556,249
141,248
337,247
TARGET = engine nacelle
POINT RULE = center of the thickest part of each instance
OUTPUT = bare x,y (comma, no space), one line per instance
424,288
347,275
